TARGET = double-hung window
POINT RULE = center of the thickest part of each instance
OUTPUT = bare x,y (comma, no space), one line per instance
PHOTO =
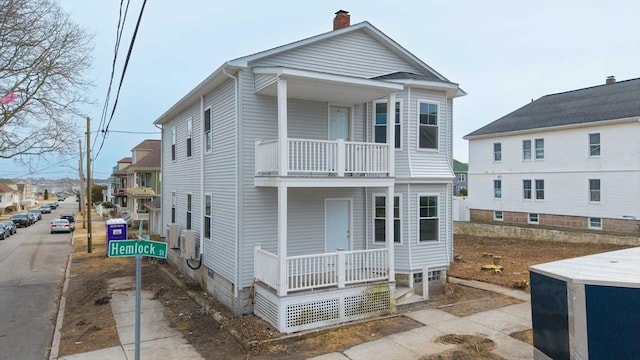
189,203
594,190
428,218
498,215
380,130
526,189
539,189
207,216
380,225
428,125
539,143
208,137
526,149
462,177
595,223
173,207
173,143
594,145
497,189
497,151
534,218
189,133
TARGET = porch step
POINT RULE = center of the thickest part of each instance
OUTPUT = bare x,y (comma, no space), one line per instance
406,295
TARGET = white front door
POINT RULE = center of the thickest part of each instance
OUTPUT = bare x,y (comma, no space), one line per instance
337,227
338,123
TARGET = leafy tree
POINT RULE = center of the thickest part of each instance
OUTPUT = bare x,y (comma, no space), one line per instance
463,192
46,194
96,193
43,59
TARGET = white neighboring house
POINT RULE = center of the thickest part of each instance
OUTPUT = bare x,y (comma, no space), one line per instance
567,160
282,166
8,197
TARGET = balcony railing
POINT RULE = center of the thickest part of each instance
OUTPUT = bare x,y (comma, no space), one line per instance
307,272
322,157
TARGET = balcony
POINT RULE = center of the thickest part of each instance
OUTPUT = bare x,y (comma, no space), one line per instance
119,192
322,158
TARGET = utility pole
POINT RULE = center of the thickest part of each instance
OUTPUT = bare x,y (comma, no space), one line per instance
81,175
89,205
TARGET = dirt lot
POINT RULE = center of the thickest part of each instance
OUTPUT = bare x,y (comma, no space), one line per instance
89,325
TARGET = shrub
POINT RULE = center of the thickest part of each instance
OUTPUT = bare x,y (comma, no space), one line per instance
108,205
463,192
9,209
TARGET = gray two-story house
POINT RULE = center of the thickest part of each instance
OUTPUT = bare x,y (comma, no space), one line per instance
307,202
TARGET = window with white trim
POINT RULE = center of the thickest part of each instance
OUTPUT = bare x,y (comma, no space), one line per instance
498,215
208,137
539,148
207,216
594,145
173,143
526,189
526,149
173,207
594,190
427,125
189,202
462,177
428,222
189,134
595,223
534,218
497,189
380,124
497,151
539,189
379,219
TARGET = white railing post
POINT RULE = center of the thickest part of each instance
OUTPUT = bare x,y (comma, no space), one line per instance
259,162
282,128
341,268
256,269
425,282
341,156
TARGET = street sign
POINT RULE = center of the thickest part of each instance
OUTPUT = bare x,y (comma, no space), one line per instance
127,248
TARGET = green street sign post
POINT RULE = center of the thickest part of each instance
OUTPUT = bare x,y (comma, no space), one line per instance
138,248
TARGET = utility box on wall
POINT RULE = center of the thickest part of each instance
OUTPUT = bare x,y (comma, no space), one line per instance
116,230
587,307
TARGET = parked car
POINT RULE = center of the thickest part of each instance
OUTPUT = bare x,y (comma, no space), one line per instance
61,225
36,212
69,216
33,217
52,205
45,209
22,220
4,231
12,226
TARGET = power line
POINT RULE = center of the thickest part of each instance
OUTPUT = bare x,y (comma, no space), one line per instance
124,71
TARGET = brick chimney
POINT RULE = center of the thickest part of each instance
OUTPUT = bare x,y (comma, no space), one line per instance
610,80
342,20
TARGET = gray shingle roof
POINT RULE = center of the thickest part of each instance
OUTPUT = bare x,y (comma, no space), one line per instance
598,103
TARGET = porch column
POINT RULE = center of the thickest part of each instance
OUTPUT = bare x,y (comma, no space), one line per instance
282,240
391,132
283,143
389,235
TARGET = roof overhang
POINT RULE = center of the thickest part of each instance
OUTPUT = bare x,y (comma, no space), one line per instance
311,85
452,89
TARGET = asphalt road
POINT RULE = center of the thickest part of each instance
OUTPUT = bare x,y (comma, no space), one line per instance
32,266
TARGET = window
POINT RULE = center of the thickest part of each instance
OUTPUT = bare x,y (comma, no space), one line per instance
594,190
526,189
207,216
188,211
594,145
526,149
208,140
173,207
428,218
533,218
173,143
497,189
144,179
498,215
380,131
540,189
380,227
595,223
428,125
497,151
462,177
539,149
189,133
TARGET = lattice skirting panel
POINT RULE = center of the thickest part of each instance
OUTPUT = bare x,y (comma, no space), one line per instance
304,311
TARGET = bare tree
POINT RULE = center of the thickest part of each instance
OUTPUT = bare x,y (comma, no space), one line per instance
43,59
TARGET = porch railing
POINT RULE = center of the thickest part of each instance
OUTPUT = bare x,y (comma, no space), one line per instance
323,156
305,272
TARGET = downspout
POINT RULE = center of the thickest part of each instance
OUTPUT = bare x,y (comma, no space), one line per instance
366,189
162,227
409,149
237,181
202,152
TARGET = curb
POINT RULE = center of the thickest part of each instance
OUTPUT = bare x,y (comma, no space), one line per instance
55,342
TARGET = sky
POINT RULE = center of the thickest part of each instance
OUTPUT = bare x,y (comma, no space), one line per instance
504,54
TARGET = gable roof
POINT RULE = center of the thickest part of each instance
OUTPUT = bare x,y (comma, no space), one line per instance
154,145
4,188
617,101
230,67
460,166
